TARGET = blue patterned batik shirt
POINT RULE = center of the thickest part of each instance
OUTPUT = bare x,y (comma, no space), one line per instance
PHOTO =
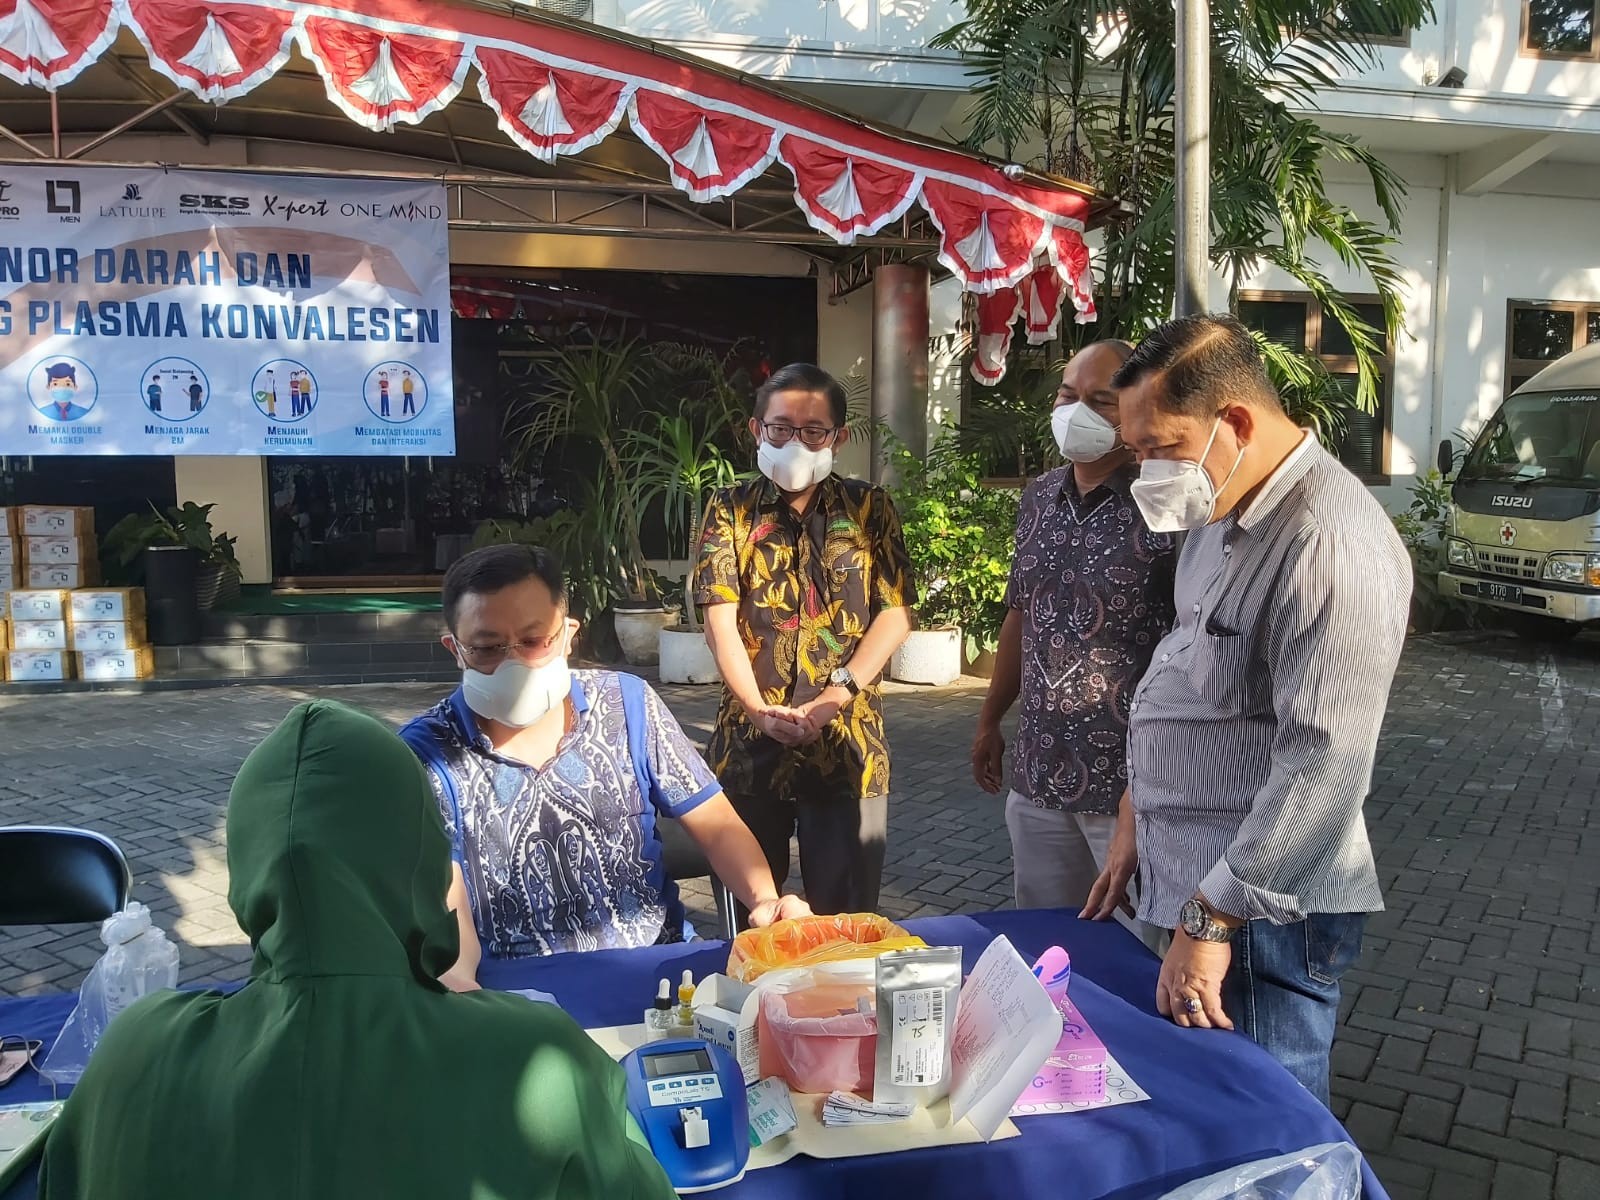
567,857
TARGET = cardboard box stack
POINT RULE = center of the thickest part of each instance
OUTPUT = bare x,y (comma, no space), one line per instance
108,634
56,622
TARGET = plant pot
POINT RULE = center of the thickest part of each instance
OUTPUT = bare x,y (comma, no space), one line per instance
685,657
215,584
980,666
169,593
639,631
930,656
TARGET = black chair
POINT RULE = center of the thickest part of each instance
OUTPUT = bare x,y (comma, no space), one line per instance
53,876
684,860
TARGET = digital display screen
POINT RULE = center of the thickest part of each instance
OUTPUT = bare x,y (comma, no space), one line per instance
687,1062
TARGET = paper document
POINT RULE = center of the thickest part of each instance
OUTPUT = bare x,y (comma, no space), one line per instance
1120,1089
1006,1026
846,1108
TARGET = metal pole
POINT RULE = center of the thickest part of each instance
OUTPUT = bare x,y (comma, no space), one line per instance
1193,131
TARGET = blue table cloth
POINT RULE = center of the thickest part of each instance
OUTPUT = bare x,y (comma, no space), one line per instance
1217,1099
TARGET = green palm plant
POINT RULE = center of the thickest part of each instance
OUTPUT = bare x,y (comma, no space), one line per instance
1086,88
593,392
681,466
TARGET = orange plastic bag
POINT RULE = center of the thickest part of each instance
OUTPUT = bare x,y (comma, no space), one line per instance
806,941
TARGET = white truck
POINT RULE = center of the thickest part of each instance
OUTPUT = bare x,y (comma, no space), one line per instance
1524,534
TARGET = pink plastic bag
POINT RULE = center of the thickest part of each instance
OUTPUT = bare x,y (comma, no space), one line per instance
819,1033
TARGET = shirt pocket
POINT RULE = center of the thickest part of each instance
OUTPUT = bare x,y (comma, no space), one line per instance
849,574
1223,671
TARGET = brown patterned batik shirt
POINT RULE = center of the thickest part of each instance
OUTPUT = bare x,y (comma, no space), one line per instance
807,587
1094,587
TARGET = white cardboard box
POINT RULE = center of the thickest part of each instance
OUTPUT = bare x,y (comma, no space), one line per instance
725,1013
59,550
39,635
106,635
10,552
39,605
39,664
41,521
60,575
111,665
108,604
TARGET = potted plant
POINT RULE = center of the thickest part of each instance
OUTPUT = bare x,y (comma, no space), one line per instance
681,468
591,393
959,534
181,563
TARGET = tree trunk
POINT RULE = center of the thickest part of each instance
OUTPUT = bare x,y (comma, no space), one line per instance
630,518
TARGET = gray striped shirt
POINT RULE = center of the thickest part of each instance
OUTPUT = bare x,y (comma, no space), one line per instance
1252,737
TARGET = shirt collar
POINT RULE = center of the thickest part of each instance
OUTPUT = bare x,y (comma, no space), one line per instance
771,497
1119,481
466,721
1278,485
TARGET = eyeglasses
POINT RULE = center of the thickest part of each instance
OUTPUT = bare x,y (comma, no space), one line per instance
813,436
486,658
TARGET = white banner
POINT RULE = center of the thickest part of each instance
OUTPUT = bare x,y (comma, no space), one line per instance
198,312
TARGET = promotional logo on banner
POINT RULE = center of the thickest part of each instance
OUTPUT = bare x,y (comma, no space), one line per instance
189,312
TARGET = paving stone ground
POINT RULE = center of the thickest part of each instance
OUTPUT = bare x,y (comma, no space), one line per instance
1468,1064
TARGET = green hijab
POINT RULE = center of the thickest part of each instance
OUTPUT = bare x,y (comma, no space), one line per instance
343,1068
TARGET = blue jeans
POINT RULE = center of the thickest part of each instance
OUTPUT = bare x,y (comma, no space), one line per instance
1282,989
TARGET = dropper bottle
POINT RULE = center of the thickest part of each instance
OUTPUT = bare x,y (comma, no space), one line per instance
686,999
658,1017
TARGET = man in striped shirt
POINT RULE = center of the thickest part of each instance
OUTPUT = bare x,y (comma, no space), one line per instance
1252,737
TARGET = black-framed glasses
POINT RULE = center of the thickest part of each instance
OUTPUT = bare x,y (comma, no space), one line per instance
486,658
814,437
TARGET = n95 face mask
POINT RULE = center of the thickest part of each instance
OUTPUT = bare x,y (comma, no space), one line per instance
1177,494
1082,434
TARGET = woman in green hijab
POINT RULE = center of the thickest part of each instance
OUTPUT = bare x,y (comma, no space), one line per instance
343,1068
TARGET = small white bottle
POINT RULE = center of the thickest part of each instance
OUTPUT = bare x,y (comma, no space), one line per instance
659,1018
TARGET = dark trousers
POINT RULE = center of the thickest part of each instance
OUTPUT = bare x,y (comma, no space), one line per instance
841,846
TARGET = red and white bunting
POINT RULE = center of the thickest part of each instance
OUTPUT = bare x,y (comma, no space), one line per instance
1042,293
559,89
986,241
548,111
997,313
380,78
844,195
45,43
710,154
216,51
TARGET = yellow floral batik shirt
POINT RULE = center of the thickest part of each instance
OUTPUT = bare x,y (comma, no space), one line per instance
807,587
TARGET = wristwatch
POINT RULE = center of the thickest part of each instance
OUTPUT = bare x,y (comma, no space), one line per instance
841,677
1199,924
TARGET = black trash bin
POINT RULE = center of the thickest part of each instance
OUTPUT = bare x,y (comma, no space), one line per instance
169,594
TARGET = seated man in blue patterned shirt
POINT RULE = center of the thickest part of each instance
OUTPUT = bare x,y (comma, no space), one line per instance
550,781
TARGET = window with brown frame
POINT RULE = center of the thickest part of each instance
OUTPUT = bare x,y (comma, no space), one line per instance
1380,30
1296,320
1540,331
1560,29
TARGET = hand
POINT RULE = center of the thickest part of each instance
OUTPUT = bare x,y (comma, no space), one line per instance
460,981
988,758
1110,890
819,714
778,908
1194,970
783,725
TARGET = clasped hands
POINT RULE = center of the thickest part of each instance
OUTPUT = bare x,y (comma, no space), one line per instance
803,725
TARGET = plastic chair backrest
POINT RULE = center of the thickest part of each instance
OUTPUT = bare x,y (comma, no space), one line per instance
57,876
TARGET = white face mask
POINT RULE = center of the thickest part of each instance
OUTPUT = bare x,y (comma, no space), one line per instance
1083,435
517,694
1177,494
794,466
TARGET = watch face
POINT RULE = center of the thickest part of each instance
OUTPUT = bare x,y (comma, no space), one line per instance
1192,917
